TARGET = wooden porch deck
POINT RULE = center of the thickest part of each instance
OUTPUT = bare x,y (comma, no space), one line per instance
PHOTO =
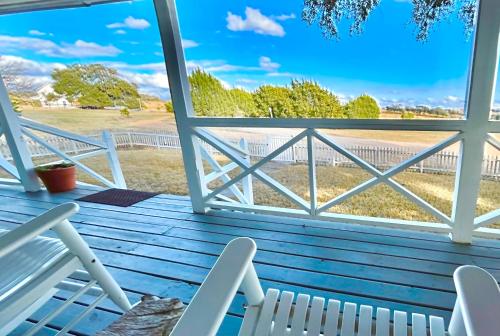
160,247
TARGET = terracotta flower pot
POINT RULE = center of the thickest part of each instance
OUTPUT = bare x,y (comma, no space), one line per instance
58,178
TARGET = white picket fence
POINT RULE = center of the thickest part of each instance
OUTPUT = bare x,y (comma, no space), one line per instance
381,157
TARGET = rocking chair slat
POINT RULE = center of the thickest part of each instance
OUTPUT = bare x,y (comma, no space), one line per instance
315,316
365,321
348,319
283,314
400,324
299,315
383,322
419,325
436,326
332,318
267,313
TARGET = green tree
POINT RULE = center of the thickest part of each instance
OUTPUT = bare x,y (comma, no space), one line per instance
209,96
312,101
244,103
94,98
363,107
95,86
273,101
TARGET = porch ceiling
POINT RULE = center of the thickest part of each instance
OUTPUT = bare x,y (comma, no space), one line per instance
19,6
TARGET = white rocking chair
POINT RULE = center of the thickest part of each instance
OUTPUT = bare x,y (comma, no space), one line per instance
34,268
476,312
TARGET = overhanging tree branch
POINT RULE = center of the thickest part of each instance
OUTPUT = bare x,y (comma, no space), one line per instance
426,13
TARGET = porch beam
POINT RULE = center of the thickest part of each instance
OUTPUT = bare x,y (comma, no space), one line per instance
480,94
171,41
19,151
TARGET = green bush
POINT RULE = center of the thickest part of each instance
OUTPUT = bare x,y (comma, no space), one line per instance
407,115
124,112
363,107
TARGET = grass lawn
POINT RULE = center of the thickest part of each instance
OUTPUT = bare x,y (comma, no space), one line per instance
91,121
162,171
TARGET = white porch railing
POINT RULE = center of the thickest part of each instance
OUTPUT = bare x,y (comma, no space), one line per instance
68,147
471,134
381,157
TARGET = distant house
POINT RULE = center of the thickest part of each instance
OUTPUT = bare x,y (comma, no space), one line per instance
49,98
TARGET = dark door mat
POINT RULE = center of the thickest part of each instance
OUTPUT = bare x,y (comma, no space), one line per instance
118,197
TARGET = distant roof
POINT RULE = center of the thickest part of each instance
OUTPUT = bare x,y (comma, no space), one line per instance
19,6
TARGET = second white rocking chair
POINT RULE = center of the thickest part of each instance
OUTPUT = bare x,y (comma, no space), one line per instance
476,312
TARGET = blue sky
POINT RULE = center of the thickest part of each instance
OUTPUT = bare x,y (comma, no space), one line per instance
249,43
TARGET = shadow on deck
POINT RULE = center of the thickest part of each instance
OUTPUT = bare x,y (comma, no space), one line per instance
160,247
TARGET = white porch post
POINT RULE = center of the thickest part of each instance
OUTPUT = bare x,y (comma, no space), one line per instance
166,14
11,128
480,94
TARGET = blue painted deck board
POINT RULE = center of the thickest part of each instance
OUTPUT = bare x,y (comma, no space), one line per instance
159,246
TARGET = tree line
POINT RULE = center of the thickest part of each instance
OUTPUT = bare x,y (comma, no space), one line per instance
424,110
300,99
97,86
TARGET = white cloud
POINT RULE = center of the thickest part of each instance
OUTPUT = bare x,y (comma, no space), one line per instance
282,74
131,23
246,81
41,46
284,17
35,32
189,44
452,98
120,32
268,65
153,83
255,21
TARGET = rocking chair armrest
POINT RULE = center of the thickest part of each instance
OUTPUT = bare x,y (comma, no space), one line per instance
233,270
477,308
23,234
